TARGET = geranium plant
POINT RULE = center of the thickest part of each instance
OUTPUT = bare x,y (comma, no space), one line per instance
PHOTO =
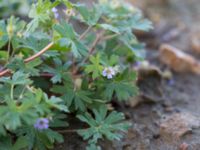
67,58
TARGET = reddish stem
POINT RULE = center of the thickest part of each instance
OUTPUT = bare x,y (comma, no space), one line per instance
6,71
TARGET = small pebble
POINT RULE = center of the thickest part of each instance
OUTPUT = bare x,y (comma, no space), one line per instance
183,146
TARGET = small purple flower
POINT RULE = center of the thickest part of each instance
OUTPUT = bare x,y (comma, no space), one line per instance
42,123
109,72
137,64
56,15
55,11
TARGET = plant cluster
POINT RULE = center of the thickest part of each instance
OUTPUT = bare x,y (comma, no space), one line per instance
59,62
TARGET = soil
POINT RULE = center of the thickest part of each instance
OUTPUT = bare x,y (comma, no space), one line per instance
175,22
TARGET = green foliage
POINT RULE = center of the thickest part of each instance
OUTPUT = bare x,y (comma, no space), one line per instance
3,34
40,13
121,86
69,39
83,70
103,124
95,67
75,99
89,15
58,71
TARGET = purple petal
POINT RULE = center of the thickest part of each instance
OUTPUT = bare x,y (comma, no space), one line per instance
42,123
112,71
104,73
54,10
56,15
109,76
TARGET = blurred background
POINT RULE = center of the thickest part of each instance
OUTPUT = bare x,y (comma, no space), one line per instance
172,17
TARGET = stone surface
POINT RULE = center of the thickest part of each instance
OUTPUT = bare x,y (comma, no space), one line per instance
178,60
195,43
177,125
183,146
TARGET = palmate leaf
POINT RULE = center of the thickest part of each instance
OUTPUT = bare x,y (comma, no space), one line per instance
15,28
69,39
65,30
77,99
123,90
95,67
103,124
93,147
123,86
40,140
125,17
20,143
59,120
108,27
137,22
10,31
3,34
43,104
12,115
2,130
74,99
89,15
6,143
3,55
4,91
31,107
36,42
134,22
108,60
59,71
40,13
55,102
131,44
28,68
18,78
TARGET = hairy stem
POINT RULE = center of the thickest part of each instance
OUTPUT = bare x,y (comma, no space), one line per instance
94,44
92,48
85,33
39,53
6,71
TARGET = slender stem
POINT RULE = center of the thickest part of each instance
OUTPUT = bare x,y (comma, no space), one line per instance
116,47
39,53
2,73
110,36
94,44
85,33
12,91
8,55
6,71
12,53
73,65
46,75
92,48
70,130
82,36
22,92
